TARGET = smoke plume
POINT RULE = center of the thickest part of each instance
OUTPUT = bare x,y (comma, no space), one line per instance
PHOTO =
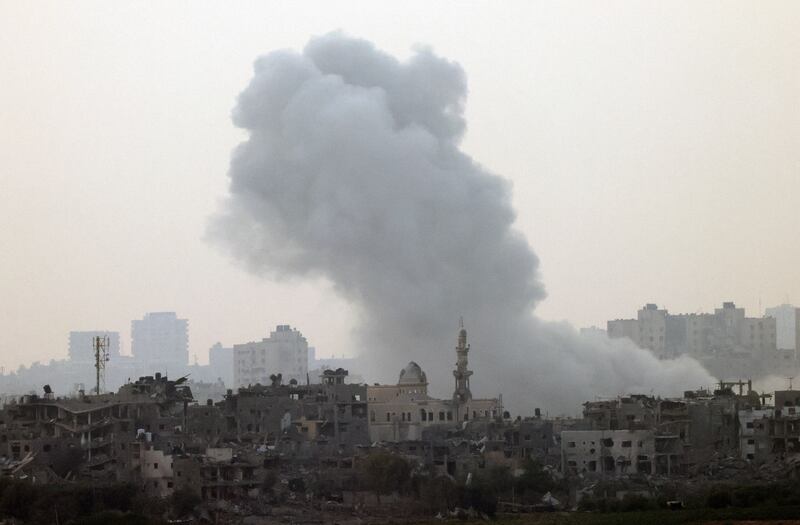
352,171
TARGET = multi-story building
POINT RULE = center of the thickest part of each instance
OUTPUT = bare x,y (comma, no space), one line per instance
787,322
81,345
285,352
609,452
107,435
160,341
220,359
753,441
727,342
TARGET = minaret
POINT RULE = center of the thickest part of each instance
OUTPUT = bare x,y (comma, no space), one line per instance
461,373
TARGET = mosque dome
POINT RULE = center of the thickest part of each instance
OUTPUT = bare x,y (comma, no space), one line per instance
412,374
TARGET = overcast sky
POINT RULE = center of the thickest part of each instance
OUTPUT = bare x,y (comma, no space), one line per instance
654,150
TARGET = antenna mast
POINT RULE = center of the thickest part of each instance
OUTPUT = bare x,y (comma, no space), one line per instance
100,360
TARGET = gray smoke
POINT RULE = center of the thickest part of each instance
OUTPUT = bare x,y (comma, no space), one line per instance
352,171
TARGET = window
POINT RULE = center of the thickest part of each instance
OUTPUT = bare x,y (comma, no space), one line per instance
449,415
155,466
372,416
388,416
441,415
749,424
571,444
626,444
751,441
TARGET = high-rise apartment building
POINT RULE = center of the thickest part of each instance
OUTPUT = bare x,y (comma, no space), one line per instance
161,340
285,352
727,342
220,359
787,320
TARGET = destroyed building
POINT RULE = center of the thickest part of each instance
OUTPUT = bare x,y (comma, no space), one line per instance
331,414
98,436
614,452
660,436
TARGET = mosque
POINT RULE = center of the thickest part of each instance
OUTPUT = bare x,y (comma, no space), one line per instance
401,412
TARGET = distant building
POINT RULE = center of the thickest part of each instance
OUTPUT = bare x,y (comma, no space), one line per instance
220,359
727,342
160,340
81,345
787,322
316,366
285,352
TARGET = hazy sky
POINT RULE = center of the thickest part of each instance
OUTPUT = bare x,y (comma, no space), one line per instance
654,150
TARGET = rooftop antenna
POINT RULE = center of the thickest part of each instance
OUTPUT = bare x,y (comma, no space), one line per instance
100,344
790,381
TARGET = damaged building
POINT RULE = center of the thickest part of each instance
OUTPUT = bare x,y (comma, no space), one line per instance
97,436
646,435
